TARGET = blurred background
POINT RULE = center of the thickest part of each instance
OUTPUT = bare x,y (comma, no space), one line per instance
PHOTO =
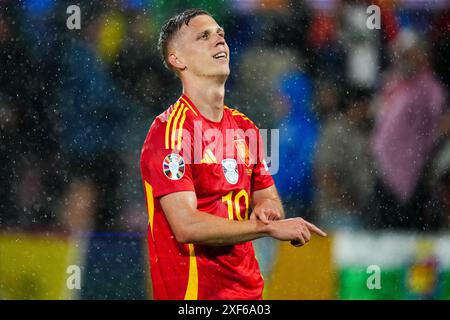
364,123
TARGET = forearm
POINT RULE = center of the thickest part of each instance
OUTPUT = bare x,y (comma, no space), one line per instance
207,229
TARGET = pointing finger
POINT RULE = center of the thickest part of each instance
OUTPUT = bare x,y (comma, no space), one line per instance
315,229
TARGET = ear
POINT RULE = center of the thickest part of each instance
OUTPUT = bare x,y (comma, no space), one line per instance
175,62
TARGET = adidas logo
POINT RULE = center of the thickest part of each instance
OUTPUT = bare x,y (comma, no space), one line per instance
208,157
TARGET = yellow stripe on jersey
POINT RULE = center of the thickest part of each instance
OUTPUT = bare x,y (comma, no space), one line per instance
192,286
189,105
235,113
150,205
177,104
180,129
174,126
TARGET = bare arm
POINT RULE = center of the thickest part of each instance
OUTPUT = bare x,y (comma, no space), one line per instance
193,226
190,225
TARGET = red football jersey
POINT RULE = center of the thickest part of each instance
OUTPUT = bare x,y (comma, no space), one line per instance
223,163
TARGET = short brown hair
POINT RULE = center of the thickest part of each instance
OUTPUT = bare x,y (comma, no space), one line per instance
171,27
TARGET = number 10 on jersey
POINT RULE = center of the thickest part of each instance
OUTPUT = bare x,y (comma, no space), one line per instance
233,204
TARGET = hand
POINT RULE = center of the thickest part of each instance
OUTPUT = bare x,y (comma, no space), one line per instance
267,210
296,230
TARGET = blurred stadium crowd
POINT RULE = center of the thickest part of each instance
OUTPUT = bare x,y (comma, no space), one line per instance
363,114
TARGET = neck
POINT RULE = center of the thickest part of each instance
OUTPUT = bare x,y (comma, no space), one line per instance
207,96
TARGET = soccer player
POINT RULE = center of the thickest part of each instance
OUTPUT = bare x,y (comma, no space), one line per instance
198,195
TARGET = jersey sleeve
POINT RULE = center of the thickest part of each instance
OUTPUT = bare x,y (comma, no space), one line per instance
168,169
261,177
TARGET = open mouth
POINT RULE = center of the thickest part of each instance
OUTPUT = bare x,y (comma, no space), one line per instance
220,55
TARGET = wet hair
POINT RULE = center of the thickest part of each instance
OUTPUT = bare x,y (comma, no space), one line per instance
171,27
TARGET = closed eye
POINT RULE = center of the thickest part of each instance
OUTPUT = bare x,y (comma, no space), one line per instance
204,35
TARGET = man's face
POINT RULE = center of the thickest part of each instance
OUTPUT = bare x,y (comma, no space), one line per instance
202,49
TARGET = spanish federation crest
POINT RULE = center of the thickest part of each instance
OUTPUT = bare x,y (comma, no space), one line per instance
230,170
173,166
